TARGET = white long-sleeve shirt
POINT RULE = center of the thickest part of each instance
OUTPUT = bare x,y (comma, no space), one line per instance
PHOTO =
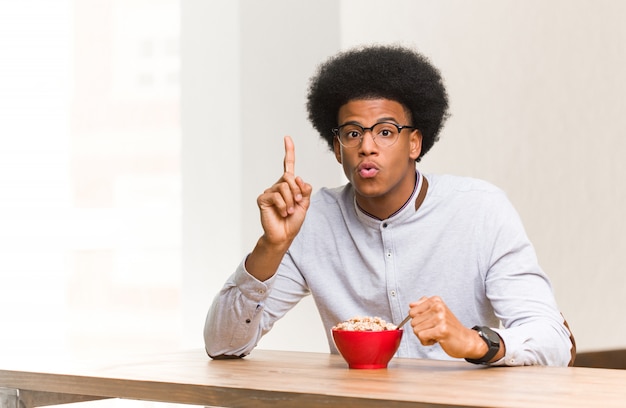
465,244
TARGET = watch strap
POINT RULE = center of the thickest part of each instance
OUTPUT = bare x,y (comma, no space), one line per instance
486,333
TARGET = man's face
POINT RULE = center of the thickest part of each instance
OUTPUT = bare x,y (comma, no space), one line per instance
383,176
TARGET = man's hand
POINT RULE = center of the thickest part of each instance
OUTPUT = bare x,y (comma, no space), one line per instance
283,207
433,322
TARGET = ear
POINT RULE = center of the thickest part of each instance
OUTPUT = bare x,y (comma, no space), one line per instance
337,149
415,141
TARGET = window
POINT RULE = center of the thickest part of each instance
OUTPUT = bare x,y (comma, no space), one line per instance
90,228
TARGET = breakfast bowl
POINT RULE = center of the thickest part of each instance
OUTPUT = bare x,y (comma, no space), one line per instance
367,349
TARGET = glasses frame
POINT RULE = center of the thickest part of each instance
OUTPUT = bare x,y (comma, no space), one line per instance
400,128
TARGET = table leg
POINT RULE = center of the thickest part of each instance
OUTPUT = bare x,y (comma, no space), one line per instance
12,398
8,398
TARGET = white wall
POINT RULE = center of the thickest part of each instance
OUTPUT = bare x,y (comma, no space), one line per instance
211,159
245,67
536,97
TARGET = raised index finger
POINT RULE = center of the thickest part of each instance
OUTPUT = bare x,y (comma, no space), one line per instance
290,156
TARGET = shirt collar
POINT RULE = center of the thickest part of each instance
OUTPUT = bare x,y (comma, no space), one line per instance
374,221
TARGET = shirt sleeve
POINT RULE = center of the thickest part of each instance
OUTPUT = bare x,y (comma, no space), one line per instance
533,328
246,309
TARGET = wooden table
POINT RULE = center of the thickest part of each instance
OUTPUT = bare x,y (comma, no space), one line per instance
296,379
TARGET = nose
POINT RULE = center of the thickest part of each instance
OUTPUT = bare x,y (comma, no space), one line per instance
368,145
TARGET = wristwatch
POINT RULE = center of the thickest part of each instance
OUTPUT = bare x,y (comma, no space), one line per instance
493,342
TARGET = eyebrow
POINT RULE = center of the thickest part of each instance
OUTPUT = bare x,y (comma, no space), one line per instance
379,120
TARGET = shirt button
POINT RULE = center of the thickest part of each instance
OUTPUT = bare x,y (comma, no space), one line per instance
384,225
393,293
261,291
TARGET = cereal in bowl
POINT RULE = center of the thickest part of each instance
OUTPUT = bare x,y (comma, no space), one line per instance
365,323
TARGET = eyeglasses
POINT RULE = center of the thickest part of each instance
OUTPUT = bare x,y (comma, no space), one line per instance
384,134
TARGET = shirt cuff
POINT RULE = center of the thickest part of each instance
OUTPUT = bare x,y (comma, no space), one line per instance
512,346
251,287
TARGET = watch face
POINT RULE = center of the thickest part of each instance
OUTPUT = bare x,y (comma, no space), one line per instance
490,335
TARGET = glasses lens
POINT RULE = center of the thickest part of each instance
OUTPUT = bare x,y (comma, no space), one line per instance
350,135
385,134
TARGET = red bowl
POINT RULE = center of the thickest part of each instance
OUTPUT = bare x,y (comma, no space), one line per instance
367,349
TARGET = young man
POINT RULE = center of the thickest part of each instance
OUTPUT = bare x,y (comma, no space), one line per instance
450,251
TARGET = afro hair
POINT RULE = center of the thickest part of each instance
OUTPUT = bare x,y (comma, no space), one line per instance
390,72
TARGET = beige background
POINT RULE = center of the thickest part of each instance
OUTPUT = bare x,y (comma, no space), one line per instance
536,90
